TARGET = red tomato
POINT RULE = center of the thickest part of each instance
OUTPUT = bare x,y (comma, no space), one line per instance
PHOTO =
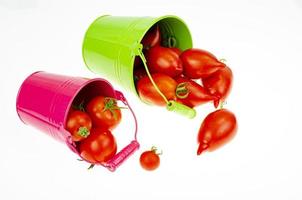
78,124
152,38
148,93
219,84
139,73
199,63
150,160
137,62
164,60
99,147
176,50
192,94
217,128
104,112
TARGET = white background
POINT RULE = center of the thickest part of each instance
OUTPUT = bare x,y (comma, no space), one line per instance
262,42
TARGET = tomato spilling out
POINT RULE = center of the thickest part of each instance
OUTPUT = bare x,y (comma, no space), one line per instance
99,147
152,38
176,50
219,83
198,63
104,112
192,94
78,124
149,94
150,160
217,129
164,60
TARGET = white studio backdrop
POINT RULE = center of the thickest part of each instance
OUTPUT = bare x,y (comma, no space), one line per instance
262,43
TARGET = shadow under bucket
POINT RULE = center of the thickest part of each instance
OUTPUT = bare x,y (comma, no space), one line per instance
111,44
44,101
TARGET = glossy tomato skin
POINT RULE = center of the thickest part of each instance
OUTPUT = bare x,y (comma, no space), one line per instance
176,50
148,93
198,63
78,124
194,94
99,147
219,83
164,60
149,160
152,38
100,115
218,128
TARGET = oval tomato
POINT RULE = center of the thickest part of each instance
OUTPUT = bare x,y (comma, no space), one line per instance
217,129
148,93
219,84
198,63
164,60
152,38
150,160
78,124
192,94
99,147
104,112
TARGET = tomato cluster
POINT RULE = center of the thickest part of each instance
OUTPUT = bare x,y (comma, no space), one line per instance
176,74
90,126
191,77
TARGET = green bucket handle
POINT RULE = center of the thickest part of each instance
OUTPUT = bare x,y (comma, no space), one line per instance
171,105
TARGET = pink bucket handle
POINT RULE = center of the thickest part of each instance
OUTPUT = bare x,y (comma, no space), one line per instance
127,151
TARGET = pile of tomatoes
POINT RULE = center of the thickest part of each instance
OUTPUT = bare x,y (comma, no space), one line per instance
191,77
90,126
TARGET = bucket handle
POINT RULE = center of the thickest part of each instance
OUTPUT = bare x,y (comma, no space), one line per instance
127,151
171,105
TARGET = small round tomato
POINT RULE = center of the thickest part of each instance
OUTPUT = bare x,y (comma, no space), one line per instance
152,38
217,129
78,124
192,94
149,94
164,60
104,112
150,160
199,63
99,147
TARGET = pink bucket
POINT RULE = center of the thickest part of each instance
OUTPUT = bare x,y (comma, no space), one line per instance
44,100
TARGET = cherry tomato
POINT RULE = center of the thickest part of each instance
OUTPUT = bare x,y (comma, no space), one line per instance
217,129
78,124
176,50
192,94
137,62
152,38
148,93
139,73
104,112
219,84
199,63
164,60
150,160
99,147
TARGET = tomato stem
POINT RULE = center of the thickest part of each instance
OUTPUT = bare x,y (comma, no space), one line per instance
182,90
83,131
90,167
155,150
111,105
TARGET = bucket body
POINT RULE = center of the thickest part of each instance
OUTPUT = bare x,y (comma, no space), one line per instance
111,44
44,100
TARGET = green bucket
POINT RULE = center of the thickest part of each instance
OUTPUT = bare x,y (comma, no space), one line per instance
111,44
